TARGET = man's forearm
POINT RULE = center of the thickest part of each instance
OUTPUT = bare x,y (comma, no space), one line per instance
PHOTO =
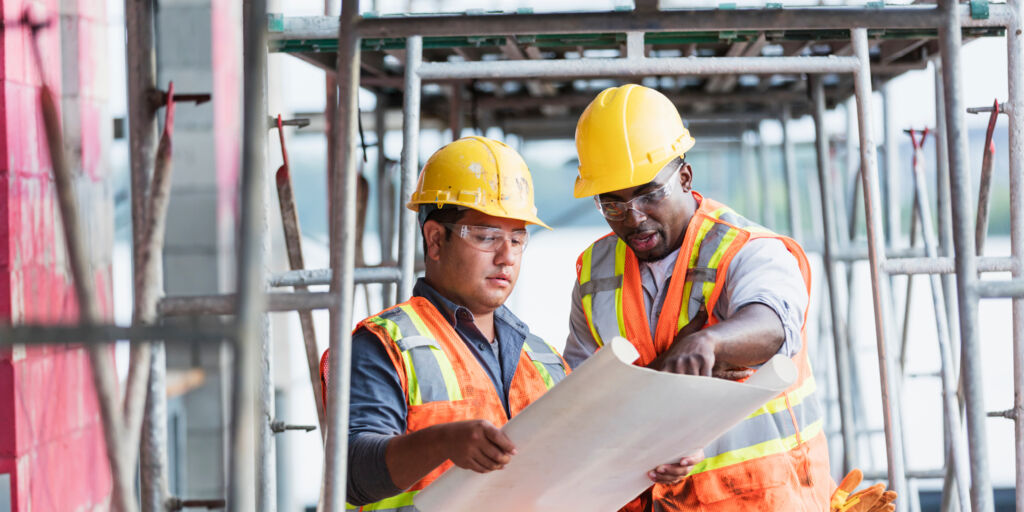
412,456
751,337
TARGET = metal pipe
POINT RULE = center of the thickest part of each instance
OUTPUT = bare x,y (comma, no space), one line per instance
250,279
950,405
677,66
225,304
860,252
92,334
343,256
142,121
869,178
966,259
1013,288
767,208
1015,62
322,276
842,355
945,214
410,164
789,165
293,245
892,201
150,285
944,265
796,18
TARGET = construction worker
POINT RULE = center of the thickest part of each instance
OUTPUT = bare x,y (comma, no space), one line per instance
435,377
700,290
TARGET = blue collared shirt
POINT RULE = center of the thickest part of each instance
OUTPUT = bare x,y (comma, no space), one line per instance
378,405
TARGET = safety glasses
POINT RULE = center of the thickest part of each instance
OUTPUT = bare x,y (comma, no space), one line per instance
490,239
617,211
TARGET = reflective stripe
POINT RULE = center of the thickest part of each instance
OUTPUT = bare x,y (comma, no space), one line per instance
764,427
398,503
620,268
545,359
701,274
411,342
600,261
763,449
797,396
588,297
685,314
603,284
429,373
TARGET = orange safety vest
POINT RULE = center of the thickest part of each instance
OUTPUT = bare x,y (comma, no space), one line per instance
444,382
776,458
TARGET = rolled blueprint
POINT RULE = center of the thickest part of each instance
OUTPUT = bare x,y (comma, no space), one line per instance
588,443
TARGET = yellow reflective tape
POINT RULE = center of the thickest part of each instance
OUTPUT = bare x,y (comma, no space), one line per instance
620,268
684,310
585,264
544,374
778,404
451,382
588,307
723,247
415,397
718,213
620,257
764,449
397,501
588,299
416,320
391,327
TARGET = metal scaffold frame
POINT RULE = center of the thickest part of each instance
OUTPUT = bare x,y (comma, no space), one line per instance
948,252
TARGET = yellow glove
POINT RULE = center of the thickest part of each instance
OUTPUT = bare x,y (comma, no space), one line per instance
872,499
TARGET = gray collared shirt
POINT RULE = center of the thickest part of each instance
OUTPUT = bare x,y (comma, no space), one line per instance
378,404
762,272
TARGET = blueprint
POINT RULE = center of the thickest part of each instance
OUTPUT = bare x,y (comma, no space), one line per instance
588,444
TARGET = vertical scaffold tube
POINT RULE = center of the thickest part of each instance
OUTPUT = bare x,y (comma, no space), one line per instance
410,163
966,259
343,238
250,279
1015,54
876,255
842,354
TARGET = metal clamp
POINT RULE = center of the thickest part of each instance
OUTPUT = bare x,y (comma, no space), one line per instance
1009,414
278,426
158,98
981,110
300,122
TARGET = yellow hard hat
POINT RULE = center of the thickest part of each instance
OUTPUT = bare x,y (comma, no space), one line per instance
625,137
478,173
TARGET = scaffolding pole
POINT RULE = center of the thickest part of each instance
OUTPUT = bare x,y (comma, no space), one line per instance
142,122
410,163
790,18
842,355
966,259
251,305
343,256
1015,61
879,282
789,166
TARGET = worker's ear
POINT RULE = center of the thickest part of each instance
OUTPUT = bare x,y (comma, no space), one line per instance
686,177
433,237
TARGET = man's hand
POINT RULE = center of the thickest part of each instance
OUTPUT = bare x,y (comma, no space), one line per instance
669,474
477,445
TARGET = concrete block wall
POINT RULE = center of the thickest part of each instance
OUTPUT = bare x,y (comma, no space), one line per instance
51,444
